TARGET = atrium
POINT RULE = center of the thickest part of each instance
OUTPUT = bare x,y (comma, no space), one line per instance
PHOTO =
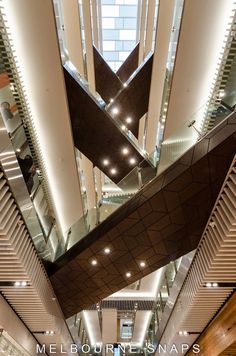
118,177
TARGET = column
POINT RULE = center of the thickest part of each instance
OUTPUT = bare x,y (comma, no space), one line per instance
72,25
163,32
142,31
109,327
149,26
88,44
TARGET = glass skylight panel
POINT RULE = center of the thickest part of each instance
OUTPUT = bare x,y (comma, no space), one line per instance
119,30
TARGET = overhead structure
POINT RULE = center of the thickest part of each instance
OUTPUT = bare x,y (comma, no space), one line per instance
160,223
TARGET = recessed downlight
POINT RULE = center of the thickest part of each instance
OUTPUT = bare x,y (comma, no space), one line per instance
94,262
128,120
20,284
142,264
128,274
115,111
107,250
105,162
132,160
49,332
183,333
125,151
123,127
113,171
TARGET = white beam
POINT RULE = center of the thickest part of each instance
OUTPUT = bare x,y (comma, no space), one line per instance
87,167
149,26
109,326
88,44
163,32
95,22
143,19
72,25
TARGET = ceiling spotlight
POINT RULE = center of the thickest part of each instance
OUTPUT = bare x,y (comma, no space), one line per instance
107,250
49,332
128,274
105,162
111,100
128,120
132,161
208,285
181,333
24,284
125,85
94,262
165,109
125,151
18,150
113,171
123,127
215,285
221,94
17,284
142,264
115,111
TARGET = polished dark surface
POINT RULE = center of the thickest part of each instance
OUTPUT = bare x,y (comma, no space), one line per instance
95,132
107,82
133,100
162,222
129,65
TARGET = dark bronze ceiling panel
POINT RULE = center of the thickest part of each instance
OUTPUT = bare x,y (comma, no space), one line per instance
107,82
129,65
133,100
162,222
96,134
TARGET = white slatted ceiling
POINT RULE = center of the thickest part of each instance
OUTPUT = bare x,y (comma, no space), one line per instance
19,262
215,261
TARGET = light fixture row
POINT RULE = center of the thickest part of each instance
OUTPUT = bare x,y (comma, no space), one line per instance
212,285
125,151
49,332
20,283
107,251
183,333
115,111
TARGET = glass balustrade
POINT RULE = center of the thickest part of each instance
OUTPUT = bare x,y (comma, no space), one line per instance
169,151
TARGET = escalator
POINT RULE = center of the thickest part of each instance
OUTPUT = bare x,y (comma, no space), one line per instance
160,223
95,132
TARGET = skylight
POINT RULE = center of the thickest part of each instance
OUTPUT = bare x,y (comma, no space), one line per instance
119,30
